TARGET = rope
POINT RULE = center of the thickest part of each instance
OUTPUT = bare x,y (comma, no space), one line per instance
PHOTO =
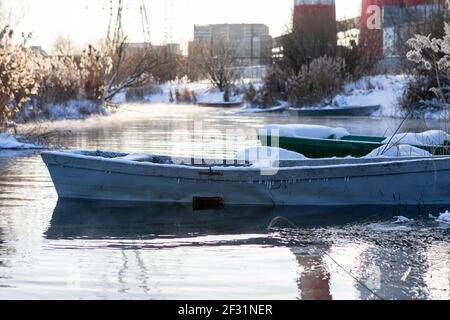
331,258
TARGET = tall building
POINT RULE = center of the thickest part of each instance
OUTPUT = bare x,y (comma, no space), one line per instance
173,49
315,20
383,22
251,42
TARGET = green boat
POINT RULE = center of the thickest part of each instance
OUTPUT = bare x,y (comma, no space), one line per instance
355,146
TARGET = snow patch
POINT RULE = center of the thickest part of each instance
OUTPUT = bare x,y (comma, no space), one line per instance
302,130
388,227
384,90
136,157
444,217
428,138
402,220
398,151
267,156
10,142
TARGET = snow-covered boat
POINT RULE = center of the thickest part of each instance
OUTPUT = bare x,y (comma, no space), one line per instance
324,142
150,178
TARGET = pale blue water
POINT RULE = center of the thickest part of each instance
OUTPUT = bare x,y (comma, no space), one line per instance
79,250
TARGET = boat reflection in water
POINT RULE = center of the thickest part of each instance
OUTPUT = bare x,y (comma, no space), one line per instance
74,219
292,244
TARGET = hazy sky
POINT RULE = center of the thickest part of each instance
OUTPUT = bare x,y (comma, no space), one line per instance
86,20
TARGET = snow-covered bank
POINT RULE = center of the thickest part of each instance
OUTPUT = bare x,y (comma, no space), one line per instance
9,142
70,110
203,92
384,90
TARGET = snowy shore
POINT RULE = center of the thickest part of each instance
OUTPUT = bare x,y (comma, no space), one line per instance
9,142
384,90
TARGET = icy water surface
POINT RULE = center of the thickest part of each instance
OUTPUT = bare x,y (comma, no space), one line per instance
52,249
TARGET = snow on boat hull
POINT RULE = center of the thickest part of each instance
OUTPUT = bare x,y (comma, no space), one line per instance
309,182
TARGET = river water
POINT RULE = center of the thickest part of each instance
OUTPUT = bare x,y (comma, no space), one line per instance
52,249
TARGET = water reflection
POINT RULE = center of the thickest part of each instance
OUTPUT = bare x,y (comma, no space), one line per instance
322,251
100,220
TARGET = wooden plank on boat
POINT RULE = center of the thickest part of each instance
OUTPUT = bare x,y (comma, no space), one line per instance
352,111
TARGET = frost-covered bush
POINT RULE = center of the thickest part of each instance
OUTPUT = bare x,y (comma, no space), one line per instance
316,81
140,93
32,84
185,96
18,69
432,58
59,79
95,68
272,91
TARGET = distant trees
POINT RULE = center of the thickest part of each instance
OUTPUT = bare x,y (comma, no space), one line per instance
216,62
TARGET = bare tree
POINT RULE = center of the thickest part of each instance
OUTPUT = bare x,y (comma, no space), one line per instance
64,46
216,61
130,69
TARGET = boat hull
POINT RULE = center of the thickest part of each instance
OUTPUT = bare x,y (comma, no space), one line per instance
220,104
408,182
356,111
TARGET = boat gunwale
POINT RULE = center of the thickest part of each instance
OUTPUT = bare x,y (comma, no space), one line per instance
340,141
239,175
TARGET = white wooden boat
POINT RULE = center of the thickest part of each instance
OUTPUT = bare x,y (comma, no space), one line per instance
150,178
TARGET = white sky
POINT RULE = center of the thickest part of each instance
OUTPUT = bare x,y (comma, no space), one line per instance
86,20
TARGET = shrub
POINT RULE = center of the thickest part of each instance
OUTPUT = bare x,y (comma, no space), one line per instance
59,79
432,58
17,77
135,94
273,90
320,79
186,96
95,68
250,94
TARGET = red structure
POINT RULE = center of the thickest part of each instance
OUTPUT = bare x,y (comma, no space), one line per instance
371,39
316,18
